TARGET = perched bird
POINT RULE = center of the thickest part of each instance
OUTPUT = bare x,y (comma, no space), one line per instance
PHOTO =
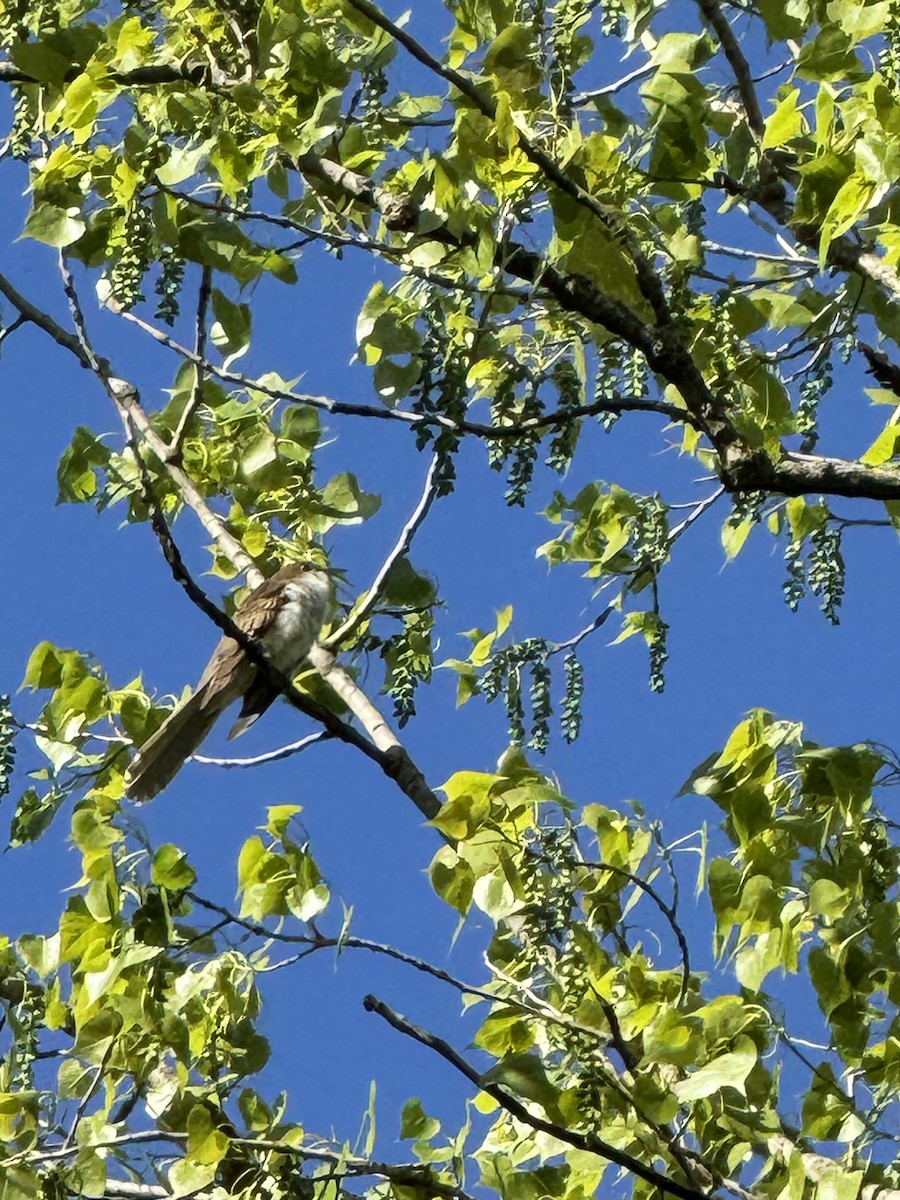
284,616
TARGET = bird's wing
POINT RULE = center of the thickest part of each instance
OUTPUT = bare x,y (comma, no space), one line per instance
260,608
254,617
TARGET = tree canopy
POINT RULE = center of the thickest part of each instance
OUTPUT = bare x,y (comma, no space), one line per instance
576,235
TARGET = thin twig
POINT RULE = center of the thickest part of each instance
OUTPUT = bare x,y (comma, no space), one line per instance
610,89
270,756
537,1007
12,327
550,420
413,1175
200,331
648,279
597,623
792,259
401,547
793,1044
664,907
697,513
319,942
90,1093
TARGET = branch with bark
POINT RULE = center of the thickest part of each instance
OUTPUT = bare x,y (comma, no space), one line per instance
741,469
379,743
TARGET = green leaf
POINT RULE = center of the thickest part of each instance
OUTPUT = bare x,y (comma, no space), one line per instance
171,870
885,447
187,1177
415,1125
785,123
727,1071
77,476
734,535
54,226
524,1075
41,62
231,333
44,669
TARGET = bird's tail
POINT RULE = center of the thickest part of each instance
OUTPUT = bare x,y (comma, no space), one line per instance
162,755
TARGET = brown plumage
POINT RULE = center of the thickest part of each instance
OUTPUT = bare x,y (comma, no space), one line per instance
284,614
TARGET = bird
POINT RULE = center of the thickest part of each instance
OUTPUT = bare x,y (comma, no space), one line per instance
283,616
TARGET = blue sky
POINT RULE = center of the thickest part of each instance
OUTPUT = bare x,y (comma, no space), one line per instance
81,579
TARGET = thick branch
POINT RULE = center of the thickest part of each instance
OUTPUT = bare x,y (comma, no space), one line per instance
844,252
731,48
615,223
794,475
808,474
148,76
660,344
384,748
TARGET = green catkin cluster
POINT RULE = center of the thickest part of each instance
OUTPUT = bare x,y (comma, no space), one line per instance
565,439
525,666
651,538
826,571
606,381
168,285
570,709
409,655
134,242
7,745
634,375
657,641
889,57
440,391
794,587
815,384
823,572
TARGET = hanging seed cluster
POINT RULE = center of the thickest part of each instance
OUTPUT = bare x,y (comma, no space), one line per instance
7,745
168,284
440,391
889,58
523,670
565,440
408,656
826,571
813,387
823,571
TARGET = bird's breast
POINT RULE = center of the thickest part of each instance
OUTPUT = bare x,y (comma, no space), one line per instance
299,620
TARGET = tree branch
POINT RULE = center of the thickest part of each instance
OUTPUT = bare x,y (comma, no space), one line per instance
731,48
660,345
610,89
557,417
667,910
200,333
384,748
581,1141
741,470
270,756
126,400
647,278
401,547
